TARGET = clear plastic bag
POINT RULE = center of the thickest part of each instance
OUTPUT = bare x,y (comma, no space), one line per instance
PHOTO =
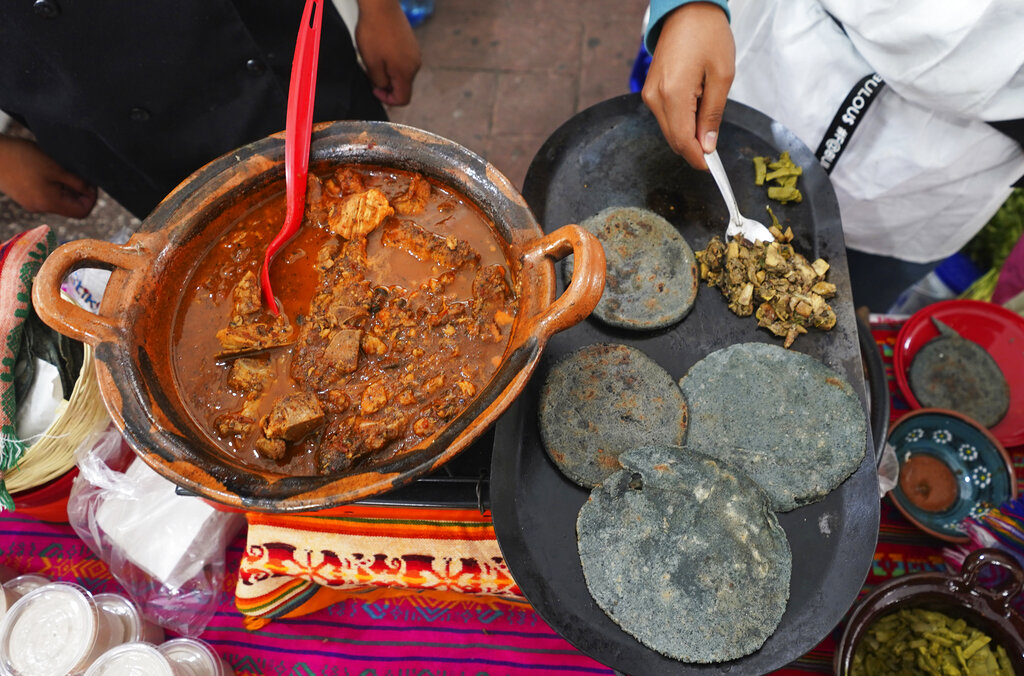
166,550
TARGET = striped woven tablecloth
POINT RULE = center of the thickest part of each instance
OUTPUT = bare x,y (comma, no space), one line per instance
412,591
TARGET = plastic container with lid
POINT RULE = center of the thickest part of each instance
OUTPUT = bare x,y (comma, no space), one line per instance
132,659
55,629
192,657
23,584
7,597
134,626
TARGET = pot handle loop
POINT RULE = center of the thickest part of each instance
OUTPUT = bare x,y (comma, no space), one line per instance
1001,595
587,284
65,316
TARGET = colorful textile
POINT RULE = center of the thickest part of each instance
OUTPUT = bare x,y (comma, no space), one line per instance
296,563
20,259
400,630
1001,528
375,632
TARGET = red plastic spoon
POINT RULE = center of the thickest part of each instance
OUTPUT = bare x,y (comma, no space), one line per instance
298,127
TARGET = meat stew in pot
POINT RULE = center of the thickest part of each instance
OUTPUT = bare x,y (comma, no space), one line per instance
396,306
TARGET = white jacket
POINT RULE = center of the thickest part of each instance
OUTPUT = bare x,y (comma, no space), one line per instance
923,172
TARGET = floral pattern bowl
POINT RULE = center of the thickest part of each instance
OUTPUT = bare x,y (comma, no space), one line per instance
951,468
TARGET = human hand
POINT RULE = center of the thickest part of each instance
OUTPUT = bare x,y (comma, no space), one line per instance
38,184
389,50
688,82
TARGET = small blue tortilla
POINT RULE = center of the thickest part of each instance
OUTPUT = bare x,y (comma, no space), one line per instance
602,400
651,279
685,554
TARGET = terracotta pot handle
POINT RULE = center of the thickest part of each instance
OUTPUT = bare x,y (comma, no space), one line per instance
1000,596
65,316
587,283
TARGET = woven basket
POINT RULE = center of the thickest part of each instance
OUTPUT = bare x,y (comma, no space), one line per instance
54,454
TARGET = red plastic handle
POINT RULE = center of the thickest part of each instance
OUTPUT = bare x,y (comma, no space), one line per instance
298,129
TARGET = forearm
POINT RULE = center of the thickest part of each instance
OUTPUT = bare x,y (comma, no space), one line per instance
661,9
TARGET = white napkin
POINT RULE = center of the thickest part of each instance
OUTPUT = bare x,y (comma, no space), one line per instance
158,530
43,404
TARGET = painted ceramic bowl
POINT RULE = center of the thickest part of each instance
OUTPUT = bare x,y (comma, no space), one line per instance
951,468
956,595
997,330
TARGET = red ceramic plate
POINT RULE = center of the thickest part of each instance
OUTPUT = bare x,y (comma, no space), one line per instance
995,328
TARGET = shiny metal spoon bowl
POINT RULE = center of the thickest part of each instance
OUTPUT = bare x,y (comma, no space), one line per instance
751,230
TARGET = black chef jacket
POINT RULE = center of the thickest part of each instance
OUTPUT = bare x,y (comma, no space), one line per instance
135,95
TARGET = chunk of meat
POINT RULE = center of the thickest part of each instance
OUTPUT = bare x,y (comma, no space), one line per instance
375,397
342,351
424,427
449,252
233,424
337,450
246,295
253,337
274,449
249,376
490,284
293,416
375,434
374,345
491,294
345,181
359,214
341,313
336,401
414,201
315,212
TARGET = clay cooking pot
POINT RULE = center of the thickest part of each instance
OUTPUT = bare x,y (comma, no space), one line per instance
133,332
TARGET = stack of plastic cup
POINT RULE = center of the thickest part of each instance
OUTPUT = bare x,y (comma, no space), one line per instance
132,659
60,628
23,584
192,657
134,627
55,629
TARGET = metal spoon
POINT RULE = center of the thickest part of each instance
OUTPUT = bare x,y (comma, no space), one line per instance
298,127
751,230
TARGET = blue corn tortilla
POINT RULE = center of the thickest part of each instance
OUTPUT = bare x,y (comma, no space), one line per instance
685,554
794,425
602,400
651,278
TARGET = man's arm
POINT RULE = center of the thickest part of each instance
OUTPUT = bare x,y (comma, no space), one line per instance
389,50
38,184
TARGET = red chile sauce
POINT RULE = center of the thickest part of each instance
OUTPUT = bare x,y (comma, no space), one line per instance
208,306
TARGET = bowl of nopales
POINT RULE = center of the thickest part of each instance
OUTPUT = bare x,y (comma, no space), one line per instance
939,623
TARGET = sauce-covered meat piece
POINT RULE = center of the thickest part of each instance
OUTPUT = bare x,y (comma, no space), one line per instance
293,416
449,252
414,201
360,214
343,349
345,181
251,328
491,303
248,375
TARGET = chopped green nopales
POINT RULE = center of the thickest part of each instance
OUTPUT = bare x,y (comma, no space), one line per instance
760,170
780,176
919,641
